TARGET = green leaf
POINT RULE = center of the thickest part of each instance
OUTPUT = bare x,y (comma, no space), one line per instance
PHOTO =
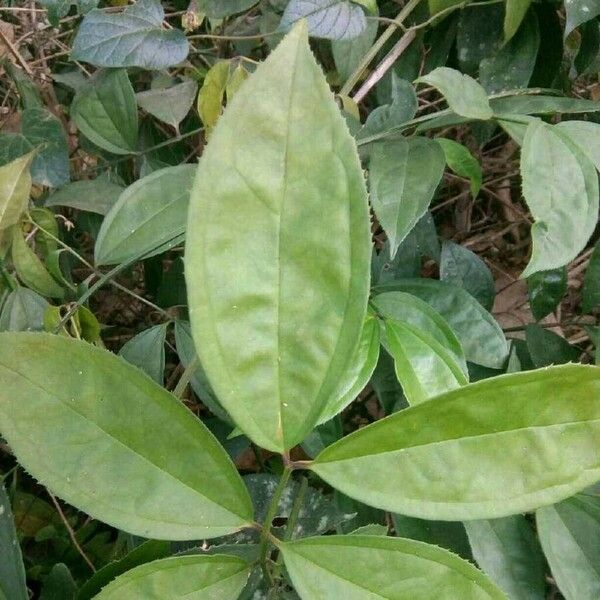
59,584
529,104
590,296
490,449
463,268
45,132
347,54
210,97
149,215
31,270
142,554
436,6
509,553
330,19
585,135
359,372
133,38
147,351
462,162
196,577
403,177
282,172
548,348
57,9
546,289
12,573
463,94
381,567
569,534
169,105
514,14
478,332
579,12
96,195
15,186
105,111
23,310
219,9
560,186
104,424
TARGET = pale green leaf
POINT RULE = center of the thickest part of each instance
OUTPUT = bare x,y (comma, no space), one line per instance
105,111
148,216
463,94
514,14
508,551
569,534
169,105
196,577
113,441
147,351
23,310
133,38
490,449
331,19
12,572
586,135
560,186
96,195
361,567
210,97
347,54
359,372
15,186
403,177
280,206
236,78
462,162
529,104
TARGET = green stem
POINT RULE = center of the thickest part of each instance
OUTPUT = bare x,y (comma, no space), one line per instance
187,374
376,47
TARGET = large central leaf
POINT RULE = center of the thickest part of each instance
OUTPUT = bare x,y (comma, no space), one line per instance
278,250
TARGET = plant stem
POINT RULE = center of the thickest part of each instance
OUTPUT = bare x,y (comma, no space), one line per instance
376,47
266,528
187,374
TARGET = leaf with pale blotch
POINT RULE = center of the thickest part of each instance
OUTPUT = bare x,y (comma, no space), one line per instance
282,172
15,185
105,424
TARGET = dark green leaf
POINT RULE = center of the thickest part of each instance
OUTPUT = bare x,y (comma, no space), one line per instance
12,572
479,36
96,195
548,348
462,162
579,12
59,584
147,351
546,289
218,9
591,283
23,310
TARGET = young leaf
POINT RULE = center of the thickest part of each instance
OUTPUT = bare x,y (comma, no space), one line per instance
465,269
105,111
480,335
513,16
15,186
508,552
403,177
12,573
169,105
149,215
590,296
196,577
97,195
319,568
106,449
133,38
147,351
210,97
359,372
569,535
282,172
490,449
546,289
463,94
23,310
331,19
560,186
462,162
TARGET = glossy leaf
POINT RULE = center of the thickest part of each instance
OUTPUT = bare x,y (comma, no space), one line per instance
133,38
169,105
196,577
96,195
331,19
148,218
560,187
15,186
12,573
590,296
381,567
508,552
104,423
403,177
546,289
31,270
463,268
463,94
360,370
147,351
548,348
490,449
105,111
23,310
480,335
569,535
282,171
462,162
514,14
